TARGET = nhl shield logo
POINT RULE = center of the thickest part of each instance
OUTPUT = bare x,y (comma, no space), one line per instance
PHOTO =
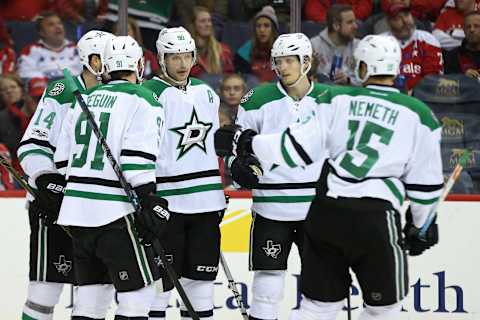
123,275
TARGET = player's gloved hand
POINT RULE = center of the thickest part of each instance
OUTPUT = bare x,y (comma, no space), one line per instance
245,170
151,223
413,242
233,140
50,188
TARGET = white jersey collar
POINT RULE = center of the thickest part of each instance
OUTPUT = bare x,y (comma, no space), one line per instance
285,93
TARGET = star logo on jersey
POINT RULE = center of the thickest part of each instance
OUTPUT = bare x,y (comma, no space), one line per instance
192,134
272,250
63,265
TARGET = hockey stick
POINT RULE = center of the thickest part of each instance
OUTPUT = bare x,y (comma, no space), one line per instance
349,306
131,194
233,286
446,190
21,180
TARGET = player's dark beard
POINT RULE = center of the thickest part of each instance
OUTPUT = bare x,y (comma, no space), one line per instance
345,38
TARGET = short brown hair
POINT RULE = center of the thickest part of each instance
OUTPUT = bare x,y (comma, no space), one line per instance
42,16
334,14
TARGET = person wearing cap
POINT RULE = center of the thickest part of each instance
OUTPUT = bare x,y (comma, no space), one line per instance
421,52
253,57
449,25
333,47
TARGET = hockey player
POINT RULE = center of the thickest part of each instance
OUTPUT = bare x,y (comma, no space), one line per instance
50,247
106,235
281,196
188,172
382,146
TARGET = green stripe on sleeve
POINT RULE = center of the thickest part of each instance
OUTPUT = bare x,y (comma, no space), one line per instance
96,196
394,190
285,154
35,151
283,199
424,201
189,190
132,166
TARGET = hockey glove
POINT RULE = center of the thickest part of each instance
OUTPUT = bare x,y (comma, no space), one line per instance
50,195
415,244
245,171
233,140
151,223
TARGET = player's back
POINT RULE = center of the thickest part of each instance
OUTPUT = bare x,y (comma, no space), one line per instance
129,117
377,137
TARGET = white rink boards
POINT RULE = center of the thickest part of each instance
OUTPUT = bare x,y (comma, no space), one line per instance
444,282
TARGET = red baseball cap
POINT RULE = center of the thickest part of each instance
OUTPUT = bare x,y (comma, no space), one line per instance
396,8
36,86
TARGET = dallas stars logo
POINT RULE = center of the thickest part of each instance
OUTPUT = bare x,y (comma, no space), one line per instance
193,133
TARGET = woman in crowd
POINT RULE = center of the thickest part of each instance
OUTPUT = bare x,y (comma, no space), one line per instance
253,57
213,57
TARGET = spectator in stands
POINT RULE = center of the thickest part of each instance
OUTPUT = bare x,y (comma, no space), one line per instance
6,180
15,117
47,57
23,10
378,23
213,57
316,10
421,53
254,56
80,11
449,25
7,55
232,89
421,9
333,47
218,10
466,58
151,63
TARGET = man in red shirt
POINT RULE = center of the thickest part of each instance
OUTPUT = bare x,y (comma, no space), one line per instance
421,53
449,25
316,10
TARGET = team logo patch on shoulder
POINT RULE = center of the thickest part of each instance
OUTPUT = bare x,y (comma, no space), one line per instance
57,89
247,96
156,97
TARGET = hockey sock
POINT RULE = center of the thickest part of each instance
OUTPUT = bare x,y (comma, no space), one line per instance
159,306
389,312
92,301
85,318
200,294
41,299
135,304
316,310
117,317
267,293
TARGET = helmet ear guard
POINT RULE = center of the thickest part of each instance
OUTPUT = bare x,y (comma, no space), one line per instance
293,44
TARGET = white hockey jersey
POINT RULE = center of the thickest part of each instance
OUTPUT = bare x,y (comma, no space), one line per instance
39,142
37,60
283,193
188,170
381,144
131,120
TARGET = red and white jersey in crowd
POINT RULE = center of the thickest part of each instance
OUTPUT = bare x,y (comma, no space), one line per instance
421,55
39,60
7,60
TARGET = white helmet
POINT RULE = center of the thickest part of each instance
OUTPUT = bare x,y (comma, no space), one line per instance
93,42
292,44
123,53
174,40
381,54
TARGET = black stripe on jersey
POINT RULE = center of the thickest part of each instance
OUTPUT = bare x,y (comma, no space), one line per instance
95,181
37,142
423,187
280,186
61,164
135,153
352,180
201,314
189,176
301,152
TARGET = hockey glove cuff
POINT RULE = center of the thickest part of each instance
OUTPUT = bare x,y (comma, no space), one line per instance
152,221
245,171
233,140
50,195
413,242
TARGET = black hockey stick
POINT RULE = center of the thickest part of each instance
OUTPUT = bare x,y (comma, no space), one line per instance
21,180
131,194
233,286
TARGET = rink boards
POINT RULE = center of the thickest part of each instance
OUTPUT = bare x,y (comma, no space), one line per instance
444,282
